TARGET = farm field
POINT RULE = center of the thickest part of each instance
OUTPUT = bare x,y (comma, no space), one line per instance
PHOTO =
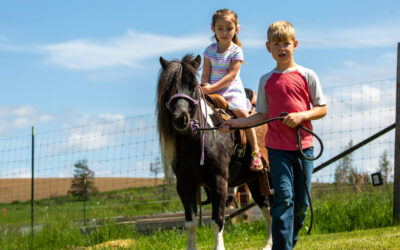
19,189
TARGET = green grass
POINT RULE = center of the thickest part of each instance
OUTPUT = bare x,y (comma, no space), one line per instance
129,202
238,236
338,216
377,238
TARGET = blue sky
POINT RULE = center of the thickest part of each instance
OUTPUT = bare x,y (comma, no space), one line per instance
68,63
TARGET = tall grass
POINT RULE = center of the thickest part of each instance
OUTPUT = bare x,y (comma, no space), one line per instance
349,209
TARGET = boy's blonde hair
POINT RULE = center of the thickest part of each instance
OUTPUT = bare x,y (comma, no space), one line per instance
281,31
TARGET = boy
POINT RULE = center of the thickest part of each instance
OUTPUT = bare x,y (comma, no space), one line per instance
287,88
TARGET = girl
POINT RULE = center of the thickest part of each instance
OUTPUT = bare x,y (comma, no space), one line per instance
222,61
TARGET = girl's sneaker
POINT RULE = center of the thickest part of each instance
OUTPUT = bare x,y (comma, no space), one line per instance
256,163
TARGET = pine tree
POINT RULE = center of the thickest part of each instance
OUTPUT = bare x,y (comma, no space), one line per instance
344,170
384,167
82,185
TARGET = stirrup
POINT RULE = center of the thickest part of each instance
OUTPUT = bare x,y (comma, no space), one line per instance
239,151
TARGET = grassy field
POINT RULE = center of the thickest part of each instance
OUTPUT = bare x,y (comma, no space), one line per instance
380,238
339,213
240,236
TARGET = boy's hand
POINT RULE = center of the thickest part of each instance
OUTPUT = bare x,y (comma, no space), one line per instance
226,125
292,120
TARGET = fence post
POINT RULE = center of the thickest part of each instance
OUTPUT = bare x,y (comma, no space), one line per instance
396,199
32,184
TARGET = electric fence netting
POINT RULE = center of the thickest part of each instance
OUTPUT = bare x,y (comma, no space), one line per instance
124,158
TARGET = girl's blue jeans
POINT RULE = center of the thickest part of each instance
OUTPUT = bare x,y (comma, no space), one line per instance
290,198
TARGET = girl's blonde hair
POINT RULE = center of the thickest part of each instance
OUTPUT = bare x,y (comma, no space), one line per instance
281,31
226,13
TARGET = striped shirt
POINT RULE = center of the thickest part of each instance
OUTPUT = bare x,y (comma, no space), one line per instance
220,62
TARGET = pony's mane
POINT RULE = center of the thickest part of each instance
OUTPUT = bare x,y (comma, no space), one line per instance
171,76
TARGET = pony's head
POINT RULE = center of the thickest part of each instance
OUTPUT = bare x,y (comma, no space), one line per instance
180,87
177,93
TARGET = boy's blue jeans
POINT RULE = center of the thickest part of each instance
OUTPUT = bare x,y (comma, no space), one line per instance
290,198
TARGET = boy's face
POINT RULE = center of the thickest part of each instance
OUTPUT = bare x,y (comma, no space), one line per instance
282,51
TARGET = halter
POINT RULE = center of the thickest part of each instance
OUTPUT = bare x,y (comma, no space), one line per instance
168,104
193,124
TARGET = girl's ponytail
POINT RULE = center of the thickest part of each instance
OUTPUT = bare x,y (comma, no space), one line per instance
236,40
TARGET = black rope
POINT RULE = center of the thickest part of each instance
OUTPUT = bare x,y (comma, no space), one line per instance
281,117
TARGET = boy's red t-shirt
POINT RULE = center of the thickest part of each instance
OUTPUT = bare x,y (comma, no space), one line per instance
288,91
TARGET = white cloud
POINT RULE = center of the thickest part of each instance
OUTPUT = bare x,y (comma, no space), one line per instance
91,133
23,111
17,173
355,112
111,117
367,91
20,117
128,50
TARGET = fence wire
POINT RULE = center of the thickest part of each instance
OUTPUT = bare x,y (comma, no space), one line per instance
355,112
125,158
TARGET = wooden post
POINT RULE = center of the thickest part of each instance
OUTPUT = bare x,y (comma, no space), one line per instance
396,199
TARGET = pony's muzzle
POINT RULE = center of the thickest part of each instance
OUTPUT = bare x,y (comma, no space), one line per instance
182,121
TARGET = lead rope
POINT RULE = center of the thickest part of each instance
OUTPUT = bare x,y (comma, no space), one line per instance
281,117
202,123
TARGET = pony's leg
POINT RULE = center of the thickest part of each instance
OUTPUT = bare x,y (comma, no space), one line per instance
264,203
187,194
268,220
218,238
191,234
219,190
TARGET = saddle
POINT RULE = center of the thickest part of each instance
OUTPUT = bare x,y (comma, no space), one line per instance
221,106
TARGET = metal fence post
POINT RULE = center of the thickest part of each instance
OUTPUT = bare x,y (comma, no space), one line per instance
84,200
396,199
32,184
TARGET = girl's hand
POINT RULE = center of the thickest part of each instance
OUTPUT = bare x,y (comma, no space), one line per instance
292,120
206,88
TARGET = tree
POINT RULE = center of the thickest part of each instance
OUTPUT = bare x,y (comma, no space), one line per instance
384,166
155,167
82,185
344,170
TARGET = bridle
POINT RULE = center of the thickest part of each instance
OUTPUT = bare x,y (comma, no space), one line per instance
194,125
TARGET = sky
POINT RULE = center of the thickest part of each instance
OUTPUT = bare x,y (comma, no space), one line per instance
67,63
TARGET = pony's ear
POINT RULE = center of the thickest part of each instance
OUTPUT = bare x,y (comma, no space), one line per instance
196,62
163,62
